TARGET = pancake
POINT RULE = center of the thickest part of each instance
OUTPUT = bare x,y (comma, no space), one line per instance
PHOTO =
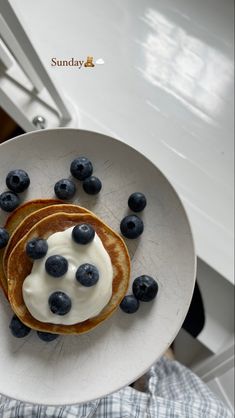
20,266
31,220
15,218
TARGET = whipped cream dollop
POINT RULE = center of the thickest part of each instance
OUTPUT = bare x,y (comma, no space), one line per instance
87,302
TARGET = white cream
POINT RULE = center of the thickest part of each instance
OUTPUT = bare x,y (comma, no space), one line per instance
87,302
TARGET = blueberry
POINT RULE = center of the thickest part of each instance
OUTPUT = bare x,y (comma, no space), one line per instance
83,234
145,288
47,336
18,329
131,226
59,303
36,248
9,201
81,168
4,237
130,304
65,189
17,181
92,185
137,202
87,275
56,265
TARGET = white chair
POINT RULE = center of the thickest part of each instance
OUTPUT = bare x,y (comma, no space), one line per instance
27,92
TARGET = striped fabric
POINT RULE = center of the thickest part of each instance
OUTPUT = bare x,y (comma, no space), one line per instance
172,391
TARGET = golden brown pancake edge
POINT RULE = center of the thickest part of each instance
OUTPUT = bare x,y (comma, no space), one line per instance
19,266
13,221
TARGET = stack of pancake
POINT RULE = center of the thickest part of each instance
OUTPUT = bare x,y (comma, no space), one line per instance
42,218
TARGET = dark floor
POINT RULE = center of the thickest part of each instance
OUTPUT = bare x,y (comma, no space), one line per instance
8,128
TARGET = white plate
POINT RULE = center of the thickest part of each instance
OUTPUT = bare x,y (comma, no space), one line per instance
81,368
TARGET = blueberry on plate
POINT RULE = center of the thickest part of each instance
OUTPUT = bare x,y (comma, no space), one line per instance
137,202
59,303
36,248
47,336
65,189
145,288
129,304
17,181
81,168
131,226
9,201
92,185
56,265
83,234
87,275
18,329
4,237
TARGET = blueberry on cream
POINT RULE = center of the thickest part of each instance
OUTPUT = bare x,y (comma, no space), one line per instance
56,265
72,297
59,303
83,234
36,248
87,275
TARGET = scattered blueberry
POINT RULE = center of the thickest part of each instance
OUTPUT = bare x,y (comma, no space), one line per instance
9,201
87,275
36,248
59,303
131,226
47,336
65,189
4,237
83,234
81,168
18,329
56,265
92,185
130,304
17,181
145,288
137,202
